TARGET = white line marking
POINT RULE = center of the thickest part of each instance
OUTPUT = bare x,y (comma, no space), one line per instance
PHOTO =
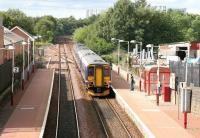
27,108
47,66
145,130
151,110
47,109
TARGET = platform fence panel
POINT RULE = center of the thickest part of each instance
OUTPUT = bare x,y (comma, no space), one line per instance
179,68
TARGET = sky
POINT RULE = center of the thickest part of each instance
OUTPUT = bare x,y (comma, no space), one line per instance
81,8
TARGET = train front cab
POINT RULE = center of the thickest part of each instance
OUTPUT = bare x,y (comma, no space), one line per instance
99,80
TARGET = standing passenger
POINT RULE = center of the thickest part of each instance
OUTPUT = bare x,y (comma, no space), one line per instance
132,83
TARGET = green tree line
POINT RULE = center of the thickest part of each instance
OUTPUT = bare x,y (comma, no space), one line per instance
138,21
47,26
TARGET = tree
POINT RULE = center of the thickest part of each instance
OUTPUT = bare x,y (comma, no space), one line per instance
18,18
46,27
193,33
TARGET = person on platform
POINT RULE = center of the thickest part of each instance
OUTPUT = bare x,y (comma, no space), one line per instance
132,83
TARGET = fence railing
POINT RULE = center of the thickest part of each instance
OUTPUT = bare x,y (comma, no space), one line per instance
179,68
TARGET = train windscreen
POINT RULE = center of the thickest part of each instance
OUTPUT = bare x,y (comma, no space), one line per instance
106,71
91,71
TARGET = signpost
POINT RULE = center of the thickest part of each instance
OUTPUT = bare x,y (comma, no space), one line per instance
15,69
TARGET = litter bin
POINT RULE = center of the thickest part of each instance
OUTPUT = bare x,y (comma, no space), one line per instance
167,94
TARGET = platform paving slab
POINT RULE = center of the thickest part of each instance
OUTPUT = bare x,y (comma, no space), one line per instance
151,120
29,115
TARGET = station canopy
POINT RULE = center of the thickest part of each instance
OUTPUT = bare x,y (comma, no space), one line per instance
11,38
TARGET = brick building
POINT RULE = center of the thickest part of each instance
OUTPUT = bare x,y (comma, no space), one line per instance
28,38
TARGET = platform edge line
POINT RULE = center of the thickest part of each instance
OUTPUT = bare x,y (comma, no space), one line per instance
47,109
142,127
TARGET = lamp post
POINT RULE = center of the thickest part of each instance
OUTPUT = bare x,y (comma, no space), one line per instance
28,58
120,41
34,39
186,66
23,65
135,42
11,47
158,82
114,39
13,65
158,76
33,70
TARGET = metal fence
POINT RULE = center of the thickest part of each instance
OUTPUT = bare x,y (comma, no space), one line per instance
179,68
5,75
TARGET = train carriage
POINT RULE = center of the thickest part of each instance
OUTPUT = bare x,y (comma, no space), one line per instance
95,71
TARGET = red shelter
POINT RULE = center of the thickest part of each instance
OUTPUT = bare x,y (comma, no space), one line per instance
150,78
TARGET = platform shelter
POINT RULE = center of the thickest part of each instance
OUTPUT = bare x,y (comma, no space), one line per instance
150,78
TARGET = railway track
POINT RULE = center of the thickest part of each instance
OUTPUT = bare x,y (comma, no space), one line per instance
62,118
111,122
64,125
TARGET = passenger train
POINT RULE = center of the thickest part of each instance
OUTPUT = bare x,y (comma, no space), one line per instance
95,71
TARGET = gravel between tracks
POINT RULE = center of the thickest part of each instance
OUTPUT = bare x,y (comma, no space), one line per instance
132,128
113,125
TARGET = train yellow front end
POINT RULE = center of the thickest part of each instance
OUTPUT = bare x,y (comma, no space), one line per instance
99,80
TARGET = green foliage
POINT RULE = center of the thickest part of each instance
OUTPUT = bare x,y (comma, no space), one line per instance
46,26
193,33
80,34
108,58
138,21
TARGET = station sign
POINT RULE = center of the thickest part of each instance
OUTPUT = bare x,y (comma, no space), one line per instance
16,70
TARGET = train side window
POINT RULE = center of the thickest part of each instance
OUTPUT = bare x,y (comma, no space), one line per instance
91,71
106,71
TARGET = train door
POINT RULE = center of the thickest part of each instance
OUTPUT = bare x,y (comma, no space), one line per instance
98,74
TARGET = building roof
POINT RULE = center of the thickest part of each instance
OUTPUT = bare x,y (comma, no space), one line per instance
10,37
25,32
176,44
153,68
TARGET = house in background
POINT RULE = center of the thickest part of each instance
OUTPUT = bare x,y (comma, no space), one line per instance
11,38
7,38
28,49
179,51
29,43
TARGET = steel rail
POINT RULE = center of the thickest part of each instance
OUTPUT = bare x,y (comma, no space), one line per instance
59,84
115,112
73,94
100,117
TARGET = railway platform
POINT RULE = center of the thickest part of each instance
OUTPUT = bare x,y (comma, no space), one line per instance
153,121
29,115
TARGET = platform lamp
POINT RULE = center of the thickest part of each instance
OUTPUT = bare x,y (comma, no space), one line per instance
118,53
33,67
128,42
34,39
28,72
23,65
136,42
12,48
